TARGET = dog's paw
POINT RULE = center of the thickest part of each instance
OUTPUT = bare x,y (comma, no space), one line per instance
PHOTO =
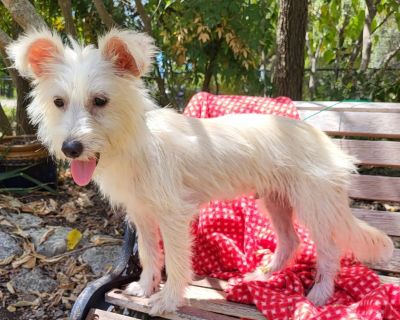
140,289
319,294
162,302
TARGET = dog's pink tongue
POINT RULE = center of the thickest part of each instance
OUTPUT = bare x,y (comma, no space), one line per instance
82,171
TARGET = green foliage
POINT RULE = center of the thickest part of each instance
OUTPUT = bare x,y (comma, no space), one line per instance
202,37
229,46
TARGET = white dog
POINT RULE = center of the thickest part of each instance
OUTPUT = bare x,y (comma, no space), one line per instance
91,108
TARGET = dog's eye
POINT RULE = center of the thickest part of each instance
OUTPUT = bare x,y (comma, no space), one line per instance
59,102
100,102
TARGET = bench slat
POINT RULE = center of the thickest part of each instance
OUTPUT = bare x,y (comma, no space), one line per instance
315,106
389,280
201,303
388,222
392,266
372,153
207,282
379,125
97,314
375,188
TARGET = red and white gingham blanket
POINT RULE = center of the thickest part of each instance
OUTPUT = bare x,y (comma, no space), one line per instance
231,239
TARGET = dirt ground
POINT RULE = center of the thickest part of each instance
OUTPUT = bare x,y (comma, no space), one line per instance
79,208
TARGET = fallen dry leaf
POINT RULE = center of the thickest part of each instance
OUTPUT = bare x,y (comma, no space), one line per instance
11,308
52,205
391,208
7,261
46,235
31,263
69,211
10,287
5,222
23,303
40,207
10,202
28,247
73,238
83,200
98,240
25,258
19,232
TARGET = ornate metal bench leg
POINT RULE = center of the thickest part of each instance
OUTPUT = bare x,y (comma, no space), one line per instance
126,270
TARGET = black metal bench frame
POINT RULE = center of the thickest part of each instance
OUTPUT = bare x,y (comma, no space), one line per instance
126,270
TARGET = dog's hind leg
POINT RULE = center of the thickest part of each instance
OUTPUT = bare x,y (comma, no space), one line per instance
281,214
328,257
321,212
151,257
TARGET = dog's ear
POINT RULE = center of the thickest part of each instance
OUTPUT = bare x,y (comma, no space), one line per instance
33,53
130,52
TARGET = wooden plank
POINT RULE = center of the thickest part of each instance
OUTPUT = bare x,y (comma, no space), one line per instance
375,188
97,314
373,153
207,282
315,106
206,297
389,280
201,303
392,266
388,222
363,124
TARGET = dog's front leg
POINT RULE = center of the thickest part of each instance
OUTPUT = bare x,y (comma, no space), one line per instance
177,247
150,254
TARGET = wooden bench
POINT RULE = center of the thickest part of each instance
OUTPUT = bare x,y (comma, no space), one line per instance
349,124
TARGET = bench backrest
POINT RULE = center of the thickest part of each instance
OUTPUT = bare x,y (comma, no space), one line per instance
371,132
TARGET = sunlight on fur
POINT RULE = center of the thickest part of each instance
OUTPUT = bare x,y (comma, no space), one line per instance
91,108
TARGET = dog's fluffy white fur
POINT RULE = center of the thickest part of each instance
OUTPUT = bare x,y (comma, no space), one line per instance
162,166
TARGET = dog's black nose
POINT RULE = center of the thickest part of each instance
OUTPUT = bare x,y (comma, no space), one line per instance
72,149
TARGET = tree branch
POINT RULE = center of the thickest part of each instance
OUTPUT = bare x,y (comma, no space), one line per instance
143,16
22,86
105,17
164,99
370,13
5,125
24,13
66,11
383,21
387,60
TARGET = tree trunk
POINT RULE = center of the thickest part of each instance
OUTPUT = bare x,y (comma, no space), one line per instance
291,35
5,126
24,13
164,99
22,86
23,100
370,13
105,17
66,10
340,42
214,48
313,57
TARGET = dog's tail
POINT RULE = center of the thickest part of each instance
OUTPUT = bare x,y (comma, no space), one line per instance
367,243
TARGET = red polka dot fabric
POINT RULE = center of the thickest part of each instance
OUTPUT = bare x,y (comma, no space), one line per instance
232,238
